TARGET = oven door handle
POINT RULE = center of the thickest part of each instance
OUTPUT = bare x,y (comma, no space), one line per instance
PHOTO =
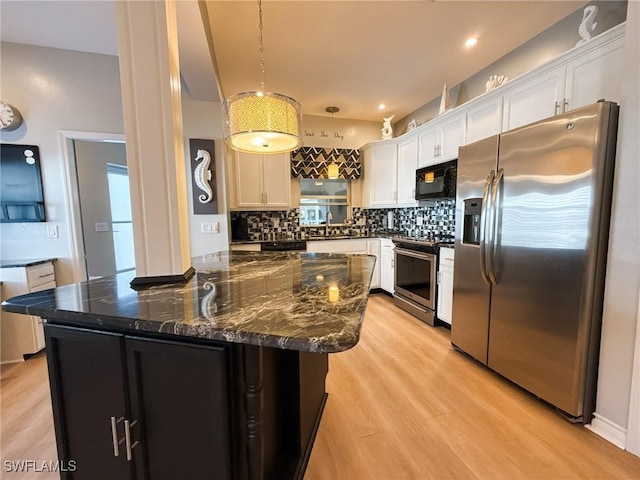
411,253
484,217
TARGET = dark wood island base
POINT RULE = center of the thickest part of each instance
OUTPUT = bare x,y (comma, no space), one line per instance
139,407
221,377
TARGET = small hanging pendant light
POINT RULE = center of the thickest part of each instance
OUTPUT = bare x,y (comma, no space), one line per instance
262,122
333,171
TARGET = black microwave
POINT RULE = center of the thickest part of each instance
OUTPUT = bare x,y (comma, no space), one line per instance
436,181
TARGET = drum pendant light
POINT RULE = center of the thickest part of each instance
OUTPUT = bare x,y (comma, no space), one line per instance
262,122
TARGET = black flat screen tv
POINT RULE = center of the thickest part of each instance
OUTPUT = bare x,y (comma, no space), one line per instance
21,196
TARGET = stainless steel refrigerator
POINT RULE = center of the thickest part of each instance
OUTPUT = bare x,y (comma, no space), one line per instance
532,223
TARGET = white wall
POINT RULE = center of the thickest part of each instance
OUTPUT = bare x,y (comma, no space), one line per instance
204,120
623,267
55,90
354,133
58,89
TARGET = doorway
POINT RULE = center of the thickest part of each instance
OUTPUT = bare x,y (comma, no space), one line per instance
103,210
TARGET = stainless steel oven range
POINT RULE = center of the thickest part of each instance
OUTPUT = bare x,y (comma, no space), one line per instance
415,277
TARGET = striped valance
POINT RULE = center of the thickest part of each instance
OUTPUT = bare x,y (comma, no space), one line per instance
312,162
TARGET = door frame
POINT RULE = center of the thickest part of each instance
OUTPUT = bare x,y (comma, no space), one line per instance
66,139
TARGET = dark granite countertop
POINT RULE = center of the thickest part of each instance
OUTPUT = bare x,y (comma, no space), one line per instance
25,262
303,301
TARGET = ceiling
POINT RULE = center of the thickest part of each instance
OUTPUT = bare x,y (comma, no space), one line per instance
353,54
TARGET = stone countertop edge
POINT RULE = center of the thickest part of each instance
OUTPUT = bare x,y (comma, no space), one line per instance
315,239
27,262
264,299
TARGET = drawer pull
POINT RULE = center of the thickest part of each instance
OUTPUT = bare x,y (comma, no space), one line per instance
127,436
46,275
114,435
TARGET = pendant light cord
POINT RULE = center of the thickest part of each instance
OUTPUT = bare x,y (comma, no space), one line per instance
261,46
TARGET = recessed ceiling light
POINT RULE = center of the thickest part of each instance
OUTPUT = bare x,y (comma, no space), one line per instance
382,106
471,42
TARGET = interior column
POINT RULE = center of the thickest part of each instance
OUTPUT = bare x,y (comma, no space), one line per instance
150,79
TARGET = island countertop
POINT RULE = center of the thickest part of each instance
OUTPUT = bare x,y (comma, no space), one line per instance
291,300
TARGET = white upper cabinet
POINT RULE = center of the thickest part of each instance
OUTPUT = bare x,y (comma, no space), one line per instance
596,75
484,119
262,180
407,165
428,141
584,80
440,142
380,175
539,98
389,173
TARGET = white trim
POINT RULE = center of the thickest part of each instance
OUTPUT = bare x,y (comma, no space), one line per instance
610,431
65,139
633,425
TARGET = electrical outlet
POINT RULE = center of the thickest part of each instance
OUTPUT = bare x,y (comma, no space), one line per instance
209,227
102,226
52,231
419,221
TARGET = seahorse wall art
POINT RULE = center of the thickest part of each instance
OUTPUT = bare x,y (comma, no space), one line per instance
203,177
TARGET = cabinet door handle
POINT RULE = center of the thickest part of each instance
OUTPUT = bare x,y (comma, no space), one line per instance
557,108
114,435
434,151
566,105
266,198
127,437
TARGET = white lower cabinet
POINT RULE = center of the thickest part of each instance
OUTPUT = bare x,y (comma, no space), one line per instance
356,245
373,248
387,267
20,334
445,285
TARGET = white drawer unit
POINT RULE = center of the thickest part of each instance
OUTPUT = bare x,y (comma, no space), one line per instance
245,247
22,335
386,265
445,284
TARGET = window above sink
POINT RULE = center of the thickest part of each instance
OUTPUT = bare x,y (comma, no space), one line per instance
324,201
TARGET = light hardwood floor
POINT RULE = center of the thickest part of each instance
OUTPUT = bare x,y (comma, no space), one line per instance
402,404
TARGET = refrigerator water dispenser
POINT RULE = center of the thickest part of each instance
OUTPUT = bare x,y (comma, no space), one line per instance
471,224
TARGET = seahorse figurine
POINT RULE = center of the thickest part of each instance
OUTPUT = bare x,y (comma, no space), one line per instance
202,176
387,131
588,24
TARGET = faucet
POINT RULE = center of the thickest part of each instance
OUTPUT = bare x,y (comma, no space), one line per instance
328,223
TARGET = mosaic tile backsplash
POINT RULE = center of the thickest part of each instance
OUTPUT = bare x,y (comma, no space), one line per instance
423,221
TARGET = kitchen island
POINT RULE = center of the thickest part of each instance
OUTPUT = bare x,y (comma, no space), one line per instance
221,377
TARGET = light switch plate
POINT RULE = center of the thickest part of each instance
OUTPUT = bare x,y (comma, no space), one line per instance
52,231
419,221
209,227
102,226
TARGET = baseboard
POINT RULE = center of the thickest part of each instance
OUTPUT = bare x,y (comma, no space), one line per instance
608,430
9,362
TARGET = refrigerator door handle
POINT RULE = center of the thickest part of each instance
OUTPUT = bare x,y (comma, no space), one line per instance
483,226
496,214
